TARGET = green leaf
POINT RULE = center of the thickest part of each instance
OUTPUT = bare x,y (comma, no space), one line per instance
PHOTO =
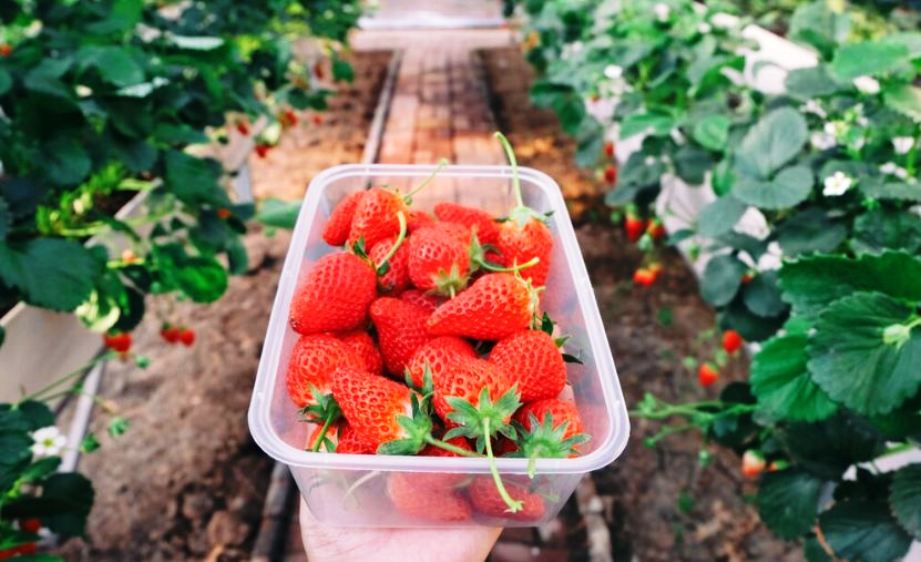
809,230
857,360
114,64
194,180
6,81
790,187
692,164
905,498
720,216
6,219
752,327
772,142
788,500
50,272
864,531
813,551
278,213
904,98
721,280
123,15
880,188
884,228
762,296
813,82
342,70
811,283
816,24
712,131
655,124
781,381
868,58
202,279
828,448
66,161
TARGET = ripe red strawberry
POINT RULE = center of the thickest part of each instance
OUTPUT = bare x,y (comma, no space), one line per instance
424,500
477,220
466,378
634,227
243,127
313,360
364,348
644,277
496,306
732,341
397,276
262,150
170,333
753,463
438,262
610,174
336,231
418,219
30,525
556,439
224,213
375,216
317,120
334,295
533,361
351,442
747,277
377,408
187,336
287,118
318,70
418,298
609,149
6,50
438,355
707,374
486,499
518,243
401,330
117,341
655,229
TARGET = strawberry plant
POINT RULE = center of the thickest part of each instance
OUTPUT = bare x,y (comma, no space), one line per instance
821,270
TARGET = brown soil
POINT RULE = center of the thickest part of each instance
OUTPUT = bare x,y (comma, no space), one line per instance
186,482
650,332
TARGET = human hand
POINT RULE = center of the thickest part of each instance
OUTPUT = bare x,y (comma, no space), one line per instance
347,544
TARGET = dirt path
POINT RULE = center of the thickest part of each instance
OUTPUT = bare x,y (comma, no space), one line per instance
186,482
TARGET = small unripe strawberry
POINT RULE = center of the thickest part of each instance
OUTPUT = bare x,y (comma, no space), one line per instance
747,278
129,257
634,227
609,149
318,70
732,341
655,229
170,333
610,174
223,213
243,127
753,463
317,120
779,464
187,337
6,50
117,341
707,374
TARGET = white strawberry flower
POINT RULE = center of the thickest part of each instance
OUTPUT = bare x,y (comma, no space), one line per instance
703,28
722,20
650,160
893,169
902,145
677,136
837,184
867,85
613,71
822,141
662,11
833,128
48,442
814,107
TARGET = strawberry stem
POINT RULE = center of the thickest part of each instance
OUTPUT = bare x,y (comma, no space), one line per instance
514,269
451,448
397,243
331,416
513,504
441,164
513,162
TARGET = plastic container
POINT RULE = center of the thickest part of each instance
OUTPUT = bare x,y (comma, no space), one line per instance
352,490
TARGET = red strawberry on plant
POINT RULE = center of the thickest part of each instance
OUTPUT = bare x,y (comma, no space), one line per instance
437,356
707,374
119,342
533,361
495,306
30,525
732,341
401,330
609,149
350,442
525,235
477,220
753,463
634,226
243,127
644,277
487,499
170,333
747,277
438,262
223,213
419,298
318,70
610,174
364,348
5,49
317,120
655,229
187,337
336,231
375,217
549,428
396,278
262,149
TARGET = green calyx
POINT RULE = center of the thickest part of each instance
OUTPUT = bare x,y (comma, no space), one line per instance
544,440
324,410
470,417
417,427
449,283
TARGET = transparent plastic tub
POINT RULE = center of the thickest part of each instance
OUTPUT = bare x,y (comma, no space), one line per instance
352,490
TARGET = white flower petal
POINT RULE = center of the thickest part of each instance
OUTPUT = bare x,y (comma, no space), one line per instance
902,145
866,85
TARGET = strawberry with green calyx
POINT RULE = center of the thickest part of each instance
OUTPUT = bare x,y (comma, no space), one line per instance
731,341
401,330
478,221
482,422
420,298
525,234
495,306
753,463
548,428
375,216
170,333
119,342
436,356
438,262
336,230
634,226
610,174
350,442
707,374
533,360
655,229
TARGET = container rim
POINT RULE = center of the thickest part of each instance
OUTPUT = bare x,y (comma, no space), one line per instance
260,404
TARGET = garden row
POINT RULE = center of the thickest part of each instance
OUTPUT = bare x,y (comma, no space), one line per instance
807,237
112,103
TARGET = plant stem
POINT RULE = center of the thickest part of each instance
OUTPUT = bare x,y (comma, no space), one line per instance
451,448
513,162
441,164
513,504
515,268
71,375
396,245
331,415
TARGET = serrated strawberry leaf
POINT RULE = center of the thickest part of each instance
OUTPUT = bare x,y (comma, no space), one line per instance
865,352
905,498
782,384
864,530
50,272
788,500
